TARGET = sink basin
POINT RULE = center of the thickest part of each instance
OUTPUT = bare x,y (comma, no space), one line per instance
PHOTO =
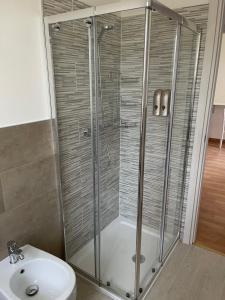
39,276
2,297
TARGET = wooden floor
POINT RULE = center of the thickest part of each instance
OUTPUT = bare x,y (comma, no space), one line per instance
211,225
192,273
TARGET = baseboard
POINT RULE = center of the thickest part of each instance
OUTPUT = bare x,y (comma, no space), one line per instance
203,246
213,140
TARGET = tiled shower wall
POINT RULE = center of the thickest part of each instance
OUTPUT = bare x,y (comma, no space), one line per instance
71,70
132,51
52,7
119,122
161,56
70,58
160,72
109,117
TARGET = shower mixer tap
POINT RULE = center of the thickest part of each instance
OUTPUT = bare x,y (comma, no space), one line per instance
157,102
165,103
87,132
15,253
161,102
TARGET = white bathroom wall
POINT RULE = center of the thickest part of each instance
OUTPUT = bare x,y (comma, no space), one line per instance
23,78
219,98
216,122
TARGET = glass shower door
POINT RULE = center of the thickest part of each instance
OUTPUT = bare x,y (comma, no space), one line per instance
71,47
173,57
161,71
119,67
181,133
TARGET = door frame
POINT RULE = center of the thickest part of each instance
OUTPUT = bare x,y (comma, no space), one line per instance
206,97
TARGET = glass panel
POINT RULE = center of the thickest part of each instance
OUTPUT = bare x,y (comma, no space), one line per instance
162,42
120,48
70,53
100,175
179,143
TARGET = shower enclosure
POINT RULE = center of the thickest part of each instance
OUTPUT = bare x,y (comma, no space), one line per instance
122,80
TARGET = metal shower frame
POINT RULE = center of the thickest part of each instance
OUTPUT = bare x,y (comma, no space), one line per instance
90,13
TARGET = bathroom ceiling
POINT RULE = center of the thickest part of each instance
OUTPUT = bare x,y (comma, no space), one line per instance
170,3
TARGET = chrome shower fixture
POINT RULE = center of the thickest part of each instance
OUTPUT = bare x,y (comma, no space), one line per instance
105,28
108,27
56,27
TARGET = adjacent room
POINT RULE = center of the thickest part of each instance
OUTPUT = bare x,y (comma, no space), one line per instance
211,224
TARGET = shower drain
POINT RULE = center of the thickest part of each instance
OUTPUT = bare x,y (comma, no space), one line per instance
32,290
142,258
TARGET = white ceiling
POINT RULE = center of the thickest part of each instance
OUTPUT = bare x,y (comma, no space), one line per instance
170,3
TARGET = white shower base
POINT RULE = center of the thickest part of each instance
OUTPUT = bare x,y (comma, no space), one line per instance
118,242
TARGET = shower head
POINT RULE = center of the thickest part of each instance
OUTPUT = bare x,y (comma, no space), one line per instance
104,28
107,27
56,27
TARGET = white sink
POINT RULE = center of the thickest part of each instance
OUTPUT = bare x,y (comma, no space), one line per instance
39,273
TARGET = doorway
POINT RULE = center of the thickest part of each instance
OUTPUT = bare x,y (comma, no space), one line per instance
211,223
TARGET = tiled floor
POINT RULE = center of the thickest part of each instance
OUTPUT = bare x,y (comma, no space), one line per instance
192,273
86,291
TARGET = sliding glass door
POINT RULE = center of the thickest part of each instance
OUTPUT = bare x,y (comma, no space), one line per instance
181,133
70,45
119,68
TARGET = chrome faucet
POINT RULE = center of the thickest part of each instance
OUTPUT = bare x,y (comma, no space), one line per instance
15,253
